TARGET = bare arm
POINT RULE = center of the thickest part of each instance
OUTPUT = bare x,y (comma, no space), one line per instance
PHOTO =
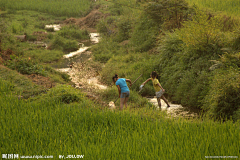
161,87
146,81
119,90
128,80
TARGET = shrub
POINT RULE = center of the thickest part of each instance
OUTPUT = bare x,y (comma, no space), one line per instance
17,28
106,49
103,27
185,59
72,32
60,93
144,34
170,13
124,28
25,66
223,98
43,55
60,43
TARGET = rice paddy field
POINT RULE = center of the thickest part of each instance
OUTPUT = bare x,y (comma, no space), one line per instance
70,8
229,7
54,128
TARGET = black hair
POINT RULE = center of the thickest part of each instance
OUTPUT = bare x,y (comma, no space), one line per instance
154,74
116,76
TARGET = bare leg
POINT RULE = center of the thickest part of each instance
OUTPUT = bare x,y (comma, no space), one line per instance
159,102
165,100
125,101
121,103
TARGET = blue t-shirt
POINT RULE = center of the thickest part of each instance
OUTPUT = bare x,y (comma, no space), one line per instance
122,84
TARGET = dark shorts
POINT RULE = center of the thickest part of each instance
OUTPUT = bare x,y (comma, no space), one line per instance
125,94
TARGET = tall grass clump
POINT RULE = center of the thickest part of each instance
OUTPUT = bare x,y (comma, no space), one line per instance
32,128
25,66
106,49
73,32
223,100
60,93
71,8
185,58
229,7
61,43
43,55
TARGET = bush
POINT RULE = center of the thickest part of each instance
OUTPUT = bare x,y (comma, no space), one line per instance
106,49
185,59
124,29
43,55
72,32
60,93
170,13
25,66
223,98
60,43
144,34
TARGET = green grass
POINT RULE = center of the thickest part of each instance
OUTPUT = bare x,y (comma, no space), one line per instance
229,7
31,128
20,83
70,8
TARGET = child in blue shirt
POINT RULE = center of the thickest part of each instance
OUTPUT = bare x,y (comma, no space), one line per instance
123,89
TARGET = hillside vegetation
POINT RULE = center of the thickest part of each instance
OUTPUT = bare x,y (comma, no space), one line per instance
192,49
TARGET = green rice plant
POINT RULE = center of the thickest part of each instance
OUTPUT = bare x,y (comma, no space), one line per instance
72,8
84,129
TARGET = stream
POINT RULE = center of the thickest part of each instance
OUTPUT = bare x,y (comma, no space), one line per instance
82,55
